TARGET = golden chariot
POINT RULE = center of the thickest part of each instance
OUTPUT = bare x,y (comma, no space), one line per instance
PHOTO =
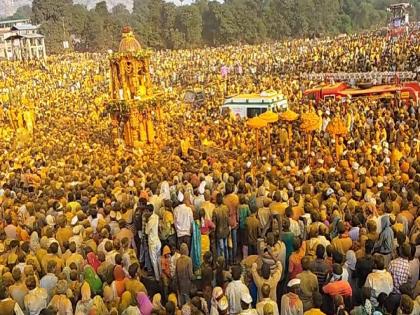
132,98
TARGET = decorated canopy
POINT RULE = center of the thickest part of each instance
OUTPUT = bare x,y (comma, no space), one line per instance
128,42
337,127
288,115
269,117
310,122
256,123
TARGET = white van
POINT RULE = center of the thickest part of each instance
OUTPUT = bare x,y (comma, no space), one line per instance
251,105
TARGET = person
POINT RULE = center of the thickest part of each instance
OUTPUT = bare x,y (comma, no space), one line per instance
319,267
165,262
128,305
406,306
132,283
252,227
157,303
399,268
295,259
379,281
154,243
206,228
246,301
342,243
118,285
316,304
261,306
85,303
93,280
49,281
8,306
231,201
219,302
336,285
196,253
144,304
184,274
36,299
243,212
221,220
291,304
234,290
267,277
340,305
365,264
60,302
366,307
308,284
384,244
18,290
183,219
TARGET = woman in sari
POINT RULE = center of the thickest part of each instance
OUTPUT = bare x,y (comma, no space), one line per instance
196,243
85,304
173,299
93,261
157,303
206,226
125,302
110,300
118,285
93,280
99,305
144,304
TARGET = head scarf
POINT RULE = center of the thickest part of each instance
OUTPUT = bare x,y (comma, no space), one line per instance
108,294
34,242
119,274
217,292
93,280
119,277
93,261
172,298
164,191
125,302
99,305
157,302
144,304
85,291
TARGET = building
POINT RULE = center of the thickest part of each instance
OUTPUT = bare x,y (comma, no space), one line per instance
20,40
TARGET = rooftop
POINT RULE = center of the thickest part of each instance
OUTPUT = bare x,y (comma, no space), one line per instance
24,27
14,21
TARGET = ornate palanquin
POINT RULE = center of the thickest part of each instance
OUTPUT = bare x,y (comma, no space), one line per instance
131,93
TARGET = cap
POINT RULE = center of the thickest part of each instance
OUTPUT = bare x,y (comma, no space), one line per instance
246,298
293,282
180,197
329,192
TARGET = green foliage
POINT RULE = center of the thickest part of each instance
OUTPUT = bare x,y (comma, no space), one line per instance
160,24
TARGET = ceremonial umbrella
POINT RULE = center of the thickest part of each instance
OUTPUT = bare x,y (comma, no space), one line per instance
256,123
336,127
288,116
269,117
310,123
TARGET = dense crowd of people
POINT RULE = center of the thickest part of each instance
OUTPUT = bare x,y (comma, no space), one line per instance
92,227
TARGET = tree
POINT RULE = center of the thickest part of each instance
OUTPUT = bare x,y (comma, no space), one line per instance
23,12
50,10
190,23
